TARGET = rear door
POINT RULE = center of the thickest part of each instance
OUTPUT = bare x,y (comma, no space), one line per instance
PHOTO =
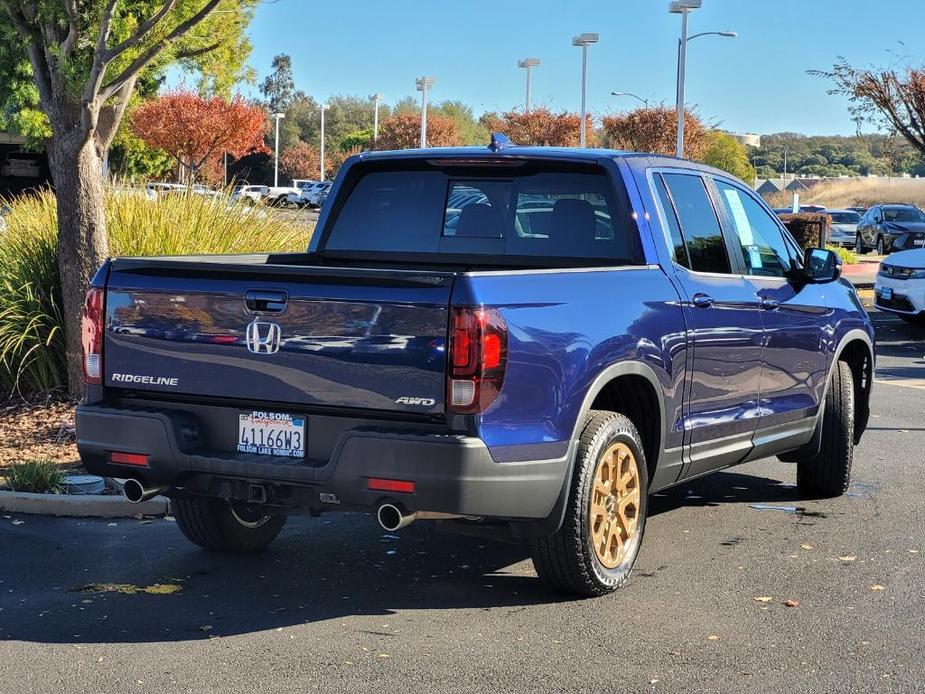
724,323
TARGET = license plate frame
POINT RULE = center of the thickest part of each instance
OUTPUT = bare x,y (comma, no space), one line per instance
918,242
274,434
886,293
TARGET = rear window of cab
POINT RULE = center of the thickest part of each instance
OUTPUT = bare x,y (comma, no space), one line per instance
493,211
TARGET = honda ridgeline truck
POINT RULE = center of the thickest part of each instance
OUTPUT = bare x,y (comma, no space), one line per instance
529,340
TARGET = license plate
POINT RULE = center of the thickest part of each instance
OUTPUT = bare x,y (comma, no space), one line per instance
886,293
918,242
271,433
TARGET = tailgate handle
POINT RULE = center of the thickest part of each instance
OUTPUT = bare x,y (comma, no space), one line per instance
265,301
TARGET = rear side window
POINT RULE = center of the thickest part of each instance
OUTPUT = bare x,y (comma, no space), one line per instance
532,214
699,225
678,250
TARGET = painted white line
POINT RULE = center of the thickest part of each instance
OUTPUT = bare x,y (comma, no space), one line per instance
903,382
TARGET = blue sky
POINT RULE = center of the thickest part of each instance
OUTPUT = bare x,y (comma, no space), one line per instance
754,83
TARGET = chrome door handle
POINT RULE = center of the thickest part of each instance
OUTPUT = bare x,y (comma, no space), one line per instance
701,300
769,304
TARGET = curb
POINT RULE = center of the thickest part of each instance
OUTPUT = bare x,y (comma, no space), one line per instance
81,506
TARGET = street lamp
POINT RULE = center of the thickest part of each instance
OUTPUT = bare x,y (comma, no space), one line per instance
323,108
683,8
423,84
375,98
583,41
528,64
276,117
645,102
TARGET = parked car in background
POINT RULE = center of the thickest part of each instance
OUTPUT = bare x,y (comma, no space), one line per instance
295,198
844,227
890,227
322,197
279,195
900,286
859,210
803,208
596,327
249,194
156,190
314,196
22,165
303,197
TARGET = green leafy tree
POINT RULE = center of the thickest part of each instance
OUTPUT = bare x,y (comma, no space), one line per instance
725,152
278,88
87,58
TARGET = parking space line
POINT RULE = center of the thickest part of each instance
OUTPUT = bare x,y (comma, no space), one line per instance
903,382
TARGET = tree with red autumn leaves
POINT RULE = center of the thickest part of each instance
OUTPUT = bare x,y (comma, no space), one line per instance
539,127
196,131
403,131
301,161
655,130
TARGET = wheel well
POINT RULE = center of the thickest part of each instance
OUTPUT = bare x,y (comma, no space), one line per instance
858,357
635,397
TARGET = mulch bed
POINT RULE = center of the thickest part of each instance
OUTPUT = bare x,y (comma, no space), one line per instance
39,431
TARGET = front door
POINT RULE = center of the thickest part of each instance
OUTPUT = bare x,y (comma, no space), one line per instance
724,324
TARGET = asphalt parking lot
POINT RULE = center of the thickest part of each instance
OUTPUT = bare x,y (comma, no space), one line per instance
338,605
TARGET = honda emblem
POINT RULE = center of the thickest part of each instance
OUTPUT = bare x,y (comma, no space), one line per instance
263,338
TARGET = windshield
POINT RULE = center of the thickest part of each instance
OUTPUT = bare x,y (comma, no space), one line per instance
903,214
501,213
845,217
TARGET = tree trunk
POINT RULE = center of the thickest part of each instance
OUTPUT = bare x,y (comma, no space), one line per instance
82,242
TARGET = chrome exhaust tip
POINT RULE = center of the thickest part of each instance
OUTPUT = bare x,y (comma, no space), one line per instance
392,517
136,492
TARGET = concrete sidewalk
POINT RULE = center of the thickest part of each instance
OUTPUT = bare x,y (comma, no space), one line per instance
864,274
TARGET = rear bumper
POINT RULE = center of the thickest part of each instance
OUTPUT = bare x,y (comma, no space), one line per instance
451,473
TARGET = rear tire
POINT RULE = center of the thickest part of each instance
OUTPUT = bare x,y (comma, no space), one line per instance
218,526
859,246
828,473
594,550
881,246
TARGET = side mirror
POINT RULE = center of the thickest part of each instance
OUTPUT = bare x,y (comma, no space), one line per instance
821,265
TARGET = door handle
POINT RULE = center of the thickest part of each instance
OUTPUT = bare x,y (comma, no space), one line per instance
701,300
769,304
265,301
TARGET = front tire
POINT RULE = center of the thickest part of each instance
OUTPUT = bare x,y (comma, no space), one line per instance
859,246
594,550
881,246
221,526
828,473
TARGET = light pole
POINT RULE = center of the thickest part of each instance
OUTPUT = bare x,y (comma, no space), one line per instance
375,98
323,107
528,64
683,8
423,84
583,41
276,117
645,102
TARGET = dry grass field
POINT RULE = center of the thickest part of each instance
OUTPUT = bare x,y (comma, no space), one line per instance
852,192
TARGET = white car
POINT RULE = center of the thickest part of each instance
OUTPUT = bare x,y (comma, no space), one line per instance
249,194
844,229
306,192
316,196
295,197
900,286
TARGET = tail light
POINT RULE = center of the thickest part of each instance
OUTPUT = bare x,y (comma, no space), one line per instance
477,359
91,336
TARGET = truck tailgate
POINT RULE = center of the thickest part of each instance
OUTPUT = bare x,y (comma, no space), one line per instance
314,336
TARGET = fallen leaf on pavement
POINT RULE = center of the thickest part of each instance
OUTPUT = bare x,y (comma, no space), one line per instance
132,589
206,627
806,546
713,637
763,598
877,586
847,557
792,603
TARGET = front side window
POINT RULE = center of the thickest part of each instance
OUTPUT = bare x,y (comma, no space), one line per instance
764,250
699,225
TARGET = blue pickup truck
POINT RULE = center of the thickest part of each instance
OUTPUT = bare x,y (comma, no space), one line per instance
527,340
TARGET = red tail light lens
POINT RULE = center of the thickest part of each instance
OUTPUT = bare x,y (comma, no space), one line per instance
91,337
478,359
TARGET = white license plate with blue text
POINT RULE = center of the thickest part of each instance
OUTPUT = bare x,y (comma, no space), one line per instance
271,433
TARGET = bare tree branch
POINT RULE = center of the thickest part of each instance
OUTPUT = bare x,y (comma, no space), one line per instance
141,32
98,70
141,61
195,52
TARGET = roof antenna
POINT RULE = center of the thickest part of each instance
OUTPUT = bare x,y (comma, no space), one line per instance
498,142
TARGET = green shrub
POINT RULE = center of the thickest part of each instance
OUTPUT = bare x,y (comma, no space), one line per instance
848,257
36,476
32,355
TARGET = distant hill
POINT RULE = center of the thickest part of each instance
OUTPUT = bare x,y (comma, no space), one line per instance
835,155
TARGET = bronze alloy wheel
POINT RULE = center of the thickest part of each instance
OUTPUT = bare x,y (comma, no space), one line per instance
614,512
